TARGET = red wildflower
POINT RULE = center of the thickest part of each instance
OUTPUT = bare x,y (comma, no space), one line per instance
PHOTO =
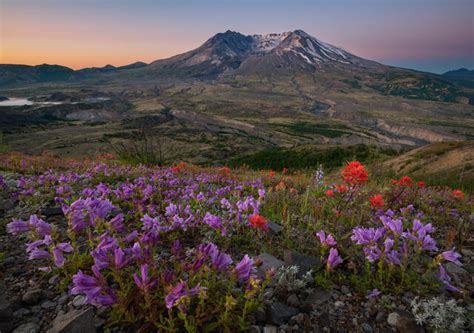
293,190
394,182
376,201
285,170
420,184
225,171
341,188
330,193
258,221
178,168
354,173
280,186
271,173
458,194
405,181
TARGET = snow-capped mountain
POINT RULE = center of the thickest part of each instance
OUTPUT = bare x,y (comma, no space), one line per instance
232,52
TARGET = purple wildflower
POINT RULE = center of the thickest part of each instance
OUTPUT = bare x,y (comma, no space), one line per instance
92,288
38,254
333,260
446,279
41,226
452,256
365,236
374,293
178,292
117,223
143,281
245,268
326,240
17,227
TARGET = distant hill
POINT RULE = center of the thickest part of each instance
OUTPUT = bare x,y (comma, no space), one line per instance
440,163
24,74
461,76
21,75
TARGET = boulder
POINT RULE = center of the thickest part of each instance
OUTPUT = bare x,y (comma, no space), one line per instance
75,321
267,262
52,211
279,313
27,328
316,298
274,228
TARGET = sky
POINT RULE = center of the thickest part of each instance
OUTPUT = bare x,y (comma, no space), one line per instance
428,35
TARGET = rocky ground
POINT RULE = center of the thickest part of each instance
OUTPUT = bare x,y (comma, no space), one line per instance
31,301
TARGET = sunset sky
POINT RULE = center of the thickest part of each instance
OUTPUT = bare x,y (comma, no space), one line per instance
430,35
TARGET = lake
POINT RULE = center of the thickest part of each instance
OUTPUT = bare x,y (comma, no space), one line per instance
16,102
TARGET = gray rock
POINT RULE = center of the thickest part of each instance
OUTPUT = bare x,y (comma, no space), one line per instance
52,211
6,204
75,321
27,328
54,280
9,261
298,319
254,329
270,329
345,290
293,300
279,313
338,304
33,297
467,253
78,301
304,262
455,269
268,262
403,321
366,328
6,311
21,313
48,305
316,298
275,228
62,299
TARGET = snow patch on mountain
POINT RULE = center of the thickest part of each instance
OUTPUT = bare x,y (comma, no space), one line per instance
265,43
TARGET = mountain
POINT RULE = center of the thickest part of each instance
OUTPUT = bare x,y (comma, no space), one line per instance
462,76
110,68
233,53
24,74
20,75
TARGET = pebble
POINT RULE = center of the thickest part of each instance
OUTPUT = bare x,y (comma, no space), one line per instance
338,304
33,297
21,313
62,299
293,300
467,253
366,328
254,329
79,300
345,290
48,305
270,329
393,319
